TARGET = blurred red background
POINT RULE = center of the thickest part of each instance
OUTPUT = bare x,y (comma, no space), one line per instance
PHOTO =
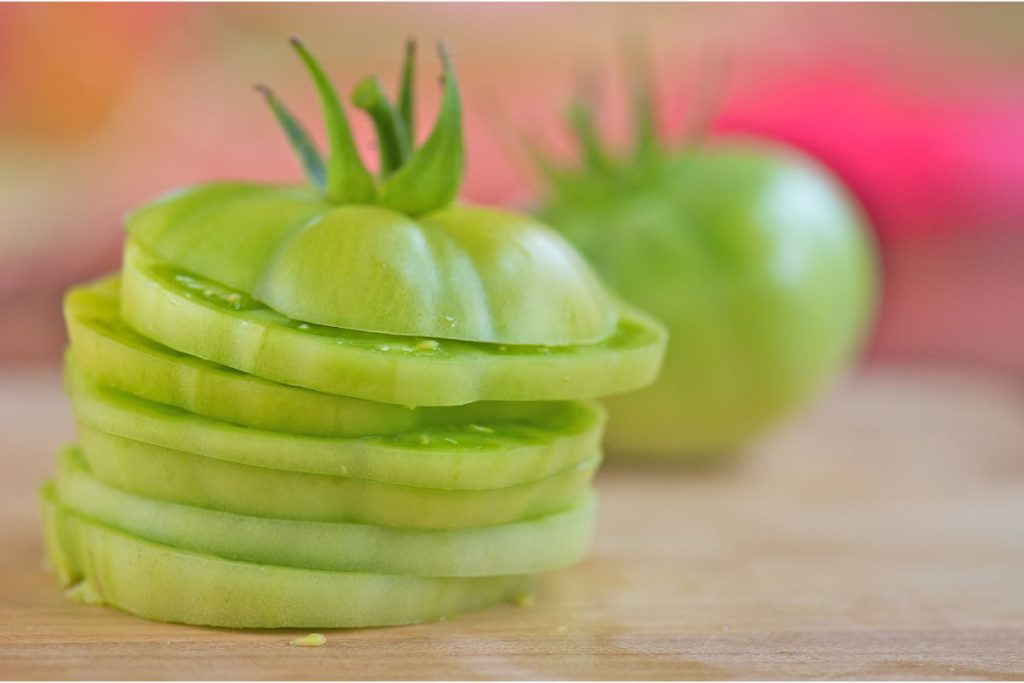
919,107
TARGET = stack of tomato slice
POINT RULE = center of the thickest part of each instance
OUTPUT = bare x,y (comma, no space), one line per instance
339,405
238,467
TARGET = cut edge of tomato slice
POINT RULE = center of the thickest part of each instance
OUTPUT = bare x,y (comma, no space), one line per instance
104,566
190,479
526,547
453,457
201,320
114,355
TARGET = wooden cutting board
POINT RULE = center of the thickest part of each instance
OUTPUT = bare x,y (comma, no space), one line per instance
880,535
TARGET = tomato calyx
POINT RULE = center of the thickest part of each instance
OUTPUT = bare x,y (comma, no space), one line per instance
411,180
598,164
650,160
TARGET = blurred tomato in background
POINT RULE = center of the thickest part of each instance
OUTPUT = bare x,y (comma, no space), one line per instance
919,108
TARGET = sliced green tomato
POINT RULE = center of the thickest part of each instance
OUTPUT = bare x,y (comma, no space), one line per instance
203,319
537,545
167,584
114,355
474,456
464,272
190,479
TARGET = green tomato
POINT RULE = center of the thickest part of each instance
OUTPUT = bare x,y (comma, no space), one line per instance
466,273
102,565
391,256
290,386
113,355
191,479
535,545
364,263
758,261
458,457
204,319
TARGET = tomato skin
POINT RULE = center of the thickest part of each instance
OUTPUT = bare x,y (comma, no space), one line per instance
391,369
462,272
760,265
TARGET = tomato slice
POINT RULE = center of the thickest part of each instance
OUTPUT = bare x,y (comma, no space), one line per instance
114,355
204,319
466,457
535,545
461,272
107,566
191,479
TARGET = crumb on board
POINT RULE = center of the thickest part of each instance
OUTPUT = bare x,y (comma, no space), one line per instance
523,600
84,593
312,640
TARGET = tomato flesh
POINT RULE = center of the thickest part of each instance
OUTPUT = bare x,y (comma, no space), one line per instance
457,273
200,318
534,545
356,403
113,355
169,584
463,457
192,479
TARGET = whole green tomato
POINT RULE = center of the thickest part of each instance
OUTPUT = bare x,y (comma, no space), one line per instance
756,258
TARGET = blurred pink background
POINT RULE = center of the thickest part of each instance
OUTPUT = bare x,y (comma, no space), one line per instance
919,107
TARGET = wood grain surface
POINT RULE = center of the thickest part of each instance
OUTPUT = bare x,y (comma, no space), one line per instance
881,535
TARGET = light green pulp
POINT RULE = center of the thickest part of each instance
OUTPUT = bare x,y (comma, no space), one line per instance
467,273
536,545
102,565
194,316
113,355
443,457
191,479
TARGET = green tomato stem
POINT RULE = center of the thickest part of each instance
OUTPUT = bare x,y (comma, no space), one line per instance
414,181
348,180
406,100
557,179
431,178
581,123
299,139
392,133
645,128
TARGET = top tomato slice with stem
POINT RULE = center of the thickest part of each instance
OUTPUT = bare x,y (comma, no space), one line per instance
380,288
389,254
